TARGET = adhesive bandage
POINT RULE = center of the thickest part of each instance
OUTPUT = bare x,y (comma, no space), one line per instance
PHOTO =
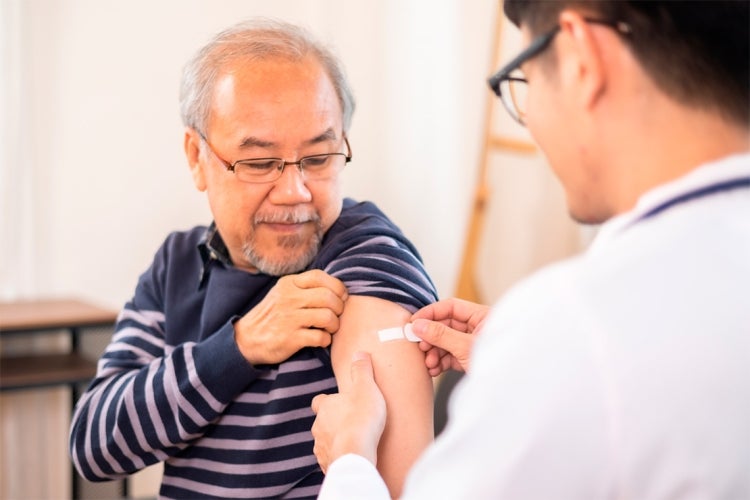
398,333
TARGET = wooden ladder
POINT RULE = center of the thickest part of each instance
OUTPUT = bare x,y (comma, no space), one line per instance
468,286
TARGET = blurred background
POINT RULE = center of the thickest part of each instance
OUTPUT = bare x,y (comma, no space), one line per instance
93,177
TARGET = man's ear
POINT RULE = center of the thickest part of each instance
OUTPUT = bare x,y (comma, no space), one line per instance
192,153
583,63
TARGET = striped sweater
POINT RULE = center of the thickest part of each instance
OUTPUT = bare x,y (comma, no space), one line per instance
172,385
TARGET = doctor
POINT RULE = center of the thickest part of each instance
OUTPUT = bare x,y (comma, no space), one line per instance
623,372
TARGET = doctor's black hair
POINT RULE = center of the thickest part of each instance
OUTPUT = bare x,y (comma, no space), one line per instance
696,51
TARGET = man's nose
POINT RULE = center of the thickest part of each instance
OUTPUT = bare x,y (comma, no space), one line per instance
290,188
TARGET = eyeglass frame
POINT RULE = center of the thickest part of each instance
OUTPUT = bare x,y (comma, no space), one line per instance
537,46
231,166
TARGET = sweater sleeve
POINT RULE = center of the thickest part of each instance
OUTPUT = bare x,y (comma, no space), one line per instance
149,400
372,257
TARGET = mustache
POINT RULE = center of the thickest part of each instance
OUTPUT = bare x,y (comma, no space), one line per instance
286,217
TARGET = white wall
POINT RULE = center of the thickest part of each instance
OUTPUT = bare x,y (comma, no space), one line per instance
93,175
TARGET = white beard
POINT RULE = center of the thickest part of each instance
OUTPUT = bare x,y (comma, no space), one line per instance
279,265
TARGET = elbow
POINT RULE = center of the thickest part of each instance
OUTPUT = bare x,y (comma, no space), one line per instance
89,462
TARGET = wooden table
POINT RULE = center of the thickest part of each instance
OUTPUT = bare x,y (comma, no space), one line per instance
29,371
43,316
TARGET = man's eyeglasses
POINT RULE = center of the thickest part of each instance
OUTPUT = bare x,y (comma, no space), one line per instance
262,170
509,83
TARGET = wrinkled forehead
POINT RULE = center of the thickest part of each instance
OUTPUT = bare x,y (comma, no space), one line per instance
273,99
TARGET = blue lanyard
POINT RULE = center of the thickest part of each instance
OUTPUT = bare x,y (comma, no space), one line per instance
732,184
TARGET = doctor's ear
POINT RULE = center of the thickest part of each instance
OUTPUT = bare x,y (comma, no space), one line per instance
192,146
583,62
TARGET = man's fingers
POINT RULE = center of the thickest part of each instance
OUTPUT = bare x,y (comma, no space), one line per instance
452,309
361,369
432,357
437,311
437,334
317,401
319,318
317,278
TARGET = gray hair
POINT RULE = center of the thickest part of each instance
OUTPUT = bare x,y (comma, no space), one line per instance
256,39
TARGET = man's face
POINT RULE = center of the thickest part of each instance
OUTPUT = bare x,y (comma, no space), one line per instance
558,124
272,109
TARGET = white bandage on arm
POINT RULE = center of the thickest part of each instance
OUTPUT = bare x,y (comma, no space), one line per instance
398,333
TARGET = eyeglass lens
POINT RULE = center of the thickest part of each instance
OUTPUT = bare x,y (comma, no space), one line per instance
513,91
318,167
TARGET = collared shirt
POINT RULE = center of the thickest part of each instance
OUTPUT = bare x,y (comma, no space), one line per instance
621,373
212,248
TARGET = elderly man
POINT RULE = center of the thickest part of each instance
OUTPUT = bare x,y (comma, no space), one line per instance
235,327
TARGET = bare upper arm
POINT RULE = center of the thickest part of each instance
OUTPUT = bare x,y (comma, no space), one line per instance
401,375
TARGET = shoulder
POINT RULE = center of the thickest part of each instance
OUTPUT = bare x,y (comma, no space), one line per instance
185,240
180,245
369,253
363,224
363,220
178,256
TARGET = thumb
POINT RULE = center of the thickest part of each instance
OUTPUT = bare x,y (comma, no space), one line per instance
317,401
438,334
361,369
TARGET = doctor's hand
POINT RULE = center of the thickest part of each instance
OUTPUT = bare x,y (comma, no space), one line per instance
301,310
448,329
351,421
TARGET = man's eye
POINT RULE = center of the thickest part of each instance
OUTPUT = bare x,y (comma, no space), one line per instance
259,165
316,161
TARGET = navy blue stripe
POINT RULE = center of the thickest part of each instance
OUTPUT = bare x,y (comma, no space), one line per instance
742,182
